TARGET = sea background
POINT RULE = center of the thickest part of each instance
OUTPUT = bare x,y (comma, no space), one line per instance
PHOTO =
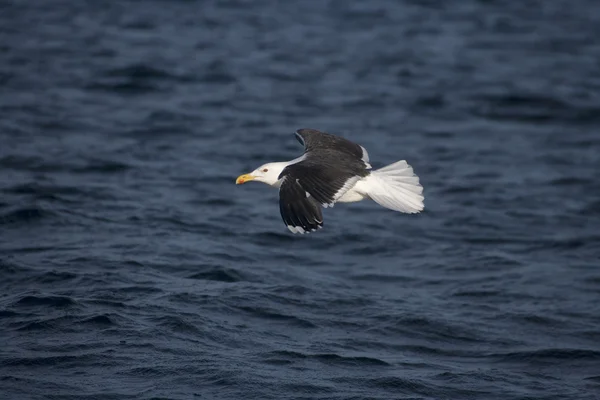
132,266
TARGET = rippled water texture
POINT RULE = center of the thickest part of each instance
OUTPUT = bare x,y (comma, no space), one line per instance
132,266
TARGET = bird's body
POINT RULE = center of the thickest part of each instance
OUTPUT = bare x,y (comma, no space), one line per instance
335,170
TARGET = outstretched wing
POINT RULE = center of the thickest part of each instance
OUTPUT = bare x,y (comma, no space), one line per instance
315,141
326,176
329,168
300,212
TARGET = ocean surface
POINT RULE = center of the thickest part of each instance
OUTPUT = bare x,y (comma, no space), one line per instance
132,266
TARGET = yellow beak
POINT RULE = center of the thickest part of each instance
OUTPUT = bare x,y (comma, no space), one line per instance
244,178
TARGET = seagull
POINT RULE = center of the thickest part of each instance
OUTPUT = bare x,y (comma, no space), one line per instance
332,170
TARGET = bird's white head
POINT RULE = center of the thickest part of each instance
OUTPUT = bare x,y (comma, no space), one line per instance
267,173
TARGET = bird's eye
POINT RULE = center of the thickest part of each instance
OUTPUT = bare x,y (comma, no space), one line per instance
266,170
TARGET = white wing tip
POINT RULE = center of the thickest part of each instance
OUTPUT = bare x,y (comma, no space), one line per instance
301,230
296,229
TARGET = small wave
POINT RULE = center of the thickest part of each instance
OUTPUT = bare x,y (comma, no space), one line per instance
276,316
138,289
592,280
432,351
374,277
217,72
47,301
46,325
571,243
305,389
326,358
11,267
546,355
396,383
280,75
425,327
66,323
24,214
135,79
102,320
477,293
219,201
191,298
41,192
347,237
592,208
501,261
123,87
176,324
102,166
64,361
231,257
8,314
433,101
531,107
297,290
369,250
55,276
538,320
572,181
20,162
440,134
148,372
144,72
356,360
107,303
22,382
44,165
271,238
462,189
219,274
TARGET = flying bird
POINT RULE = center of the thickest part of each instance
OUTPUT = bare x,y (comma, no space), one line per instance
335,170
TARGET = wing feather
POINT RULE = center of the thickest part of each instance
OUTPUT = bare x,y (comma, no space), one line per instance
299,212
314,140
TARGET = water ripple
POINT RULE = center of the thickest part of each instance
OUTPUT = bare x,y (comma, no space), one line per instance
132,266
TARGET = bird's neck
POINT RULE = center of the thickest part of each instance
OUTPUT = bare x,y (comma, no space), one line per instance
275,169
278,167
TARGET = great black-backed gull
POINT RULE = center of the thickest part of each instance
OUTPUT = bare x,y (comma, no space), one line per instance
335,170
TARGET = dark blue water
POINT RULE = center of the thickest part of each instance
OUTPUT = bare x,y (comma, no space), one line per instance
132,266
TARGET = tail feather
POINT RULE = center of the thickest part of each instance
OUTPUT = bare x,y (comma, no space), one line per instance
396,187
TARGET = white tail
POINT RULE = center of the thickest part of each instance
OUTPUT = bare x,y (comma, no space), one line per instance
396,187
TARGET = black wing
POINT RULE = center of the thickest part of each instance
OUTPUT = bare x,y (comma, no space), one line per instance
300,212
326,177
329,168
314,140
